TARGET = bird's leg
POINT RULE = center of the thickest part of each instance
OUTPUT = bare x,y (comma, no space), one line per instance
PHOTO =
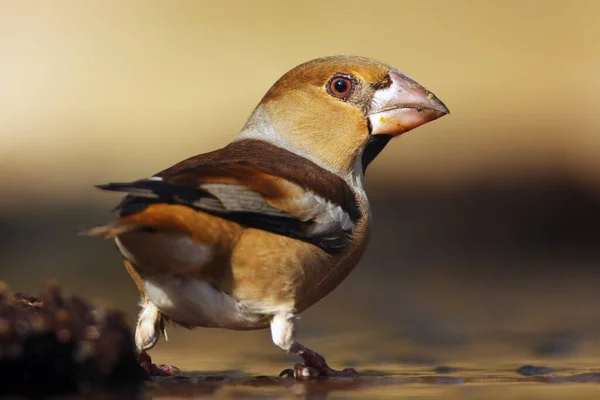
150,325
315,366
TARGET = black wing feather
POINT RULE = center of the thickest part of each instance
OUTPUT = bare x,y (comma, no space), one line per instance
143,193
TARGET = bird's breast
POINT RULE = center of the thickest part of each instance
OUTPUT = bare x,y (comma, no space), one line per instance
320,280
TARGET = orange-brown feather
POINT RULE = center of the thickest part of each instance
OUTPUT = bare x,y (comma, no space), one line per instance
325,128
269,186
276,191
276,164
174,218
318,72
217,234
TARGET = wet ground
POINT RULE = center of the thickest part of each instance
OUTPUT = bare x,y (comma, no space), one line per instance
524,364
486,371
459,341
463,361
468,384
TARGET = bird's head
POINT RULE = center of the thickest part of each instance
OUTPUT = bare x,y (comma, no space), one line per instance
340,111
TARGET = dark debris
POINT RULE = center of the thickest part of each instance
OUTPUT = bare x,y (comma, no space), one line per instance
444,369
531,370
55,344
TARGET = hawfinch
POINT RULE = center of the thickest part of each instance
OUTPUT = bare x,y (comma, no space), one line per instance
250,235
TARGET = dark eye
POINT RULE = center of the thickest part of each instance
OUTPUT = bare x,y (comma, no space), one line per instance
340,86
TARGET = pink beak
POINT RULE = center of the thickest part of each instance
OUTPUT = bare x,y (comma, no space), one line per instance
402,106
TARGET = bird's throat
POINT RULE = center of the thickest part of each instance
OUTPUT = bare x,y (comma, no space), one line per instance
375,144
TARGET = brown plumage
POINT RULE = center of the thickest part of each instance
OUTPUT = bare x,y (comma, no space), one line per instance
268,159
253,234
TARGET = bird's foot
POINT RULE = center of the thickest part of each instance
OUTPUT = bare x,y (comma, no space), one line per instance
315,366
301,371
156,370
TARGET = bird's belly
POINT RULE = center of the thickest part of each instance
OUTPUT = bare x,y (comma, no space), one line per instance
197,303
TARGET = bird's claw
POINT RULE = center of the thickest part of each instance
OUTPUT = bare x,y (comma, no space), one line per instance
348,372
164,370
157,370
301,371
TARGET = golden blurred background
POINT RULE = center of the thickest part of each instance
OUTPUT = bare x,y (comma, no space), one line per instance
102,90
486,222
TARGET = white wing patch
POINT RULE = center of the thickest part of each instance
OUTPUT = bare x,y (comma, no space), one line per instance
327,217
331,218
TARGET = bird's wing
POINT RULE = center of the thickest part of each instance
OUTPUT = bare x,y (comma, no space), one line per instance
238,190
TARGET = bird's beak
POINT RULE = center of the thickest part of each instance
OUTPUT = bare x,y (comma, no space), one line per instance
402,106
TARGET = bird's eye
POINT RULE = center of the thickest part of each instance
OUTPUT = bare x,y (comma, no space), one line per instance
340,86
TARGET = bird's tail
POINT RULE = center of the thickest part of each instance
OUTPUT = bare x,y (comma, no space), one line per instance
110,231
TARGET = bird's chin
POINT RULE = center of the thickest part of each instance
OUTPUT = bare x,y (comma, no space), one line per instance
397,121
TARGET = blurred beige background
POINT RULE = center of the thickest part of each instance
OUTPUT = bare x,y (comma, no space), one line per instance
486,221
100,90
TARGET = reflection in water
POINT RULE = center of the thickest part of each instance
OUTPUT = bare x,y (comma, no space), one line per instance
489,386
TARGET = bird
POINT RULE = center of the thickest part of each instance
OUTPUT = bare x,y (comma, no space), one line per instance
250,235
